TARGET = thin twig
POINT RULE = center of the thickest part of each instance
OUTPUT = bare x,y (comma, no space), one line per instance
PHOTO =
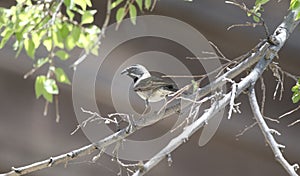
247,24
294,123
94,116
244,7
263,89
56,109
278,73
289,112
54,15
246,129
271,119
233,94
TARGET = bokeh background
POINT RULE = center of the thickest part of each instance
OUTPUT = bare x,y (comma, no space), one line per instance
27,136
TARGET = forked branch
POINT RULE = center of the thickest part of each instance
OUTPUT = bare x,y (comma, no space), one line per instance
267,132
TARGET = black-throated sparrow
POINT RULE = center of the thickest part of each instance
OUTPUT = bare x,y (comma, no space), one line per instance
149,87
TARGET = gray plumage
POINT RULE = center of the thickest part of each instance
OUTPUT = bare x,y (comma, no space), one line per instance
149,88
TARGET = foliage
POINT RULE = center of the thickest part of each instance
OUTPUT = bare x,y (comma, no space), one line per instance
296,92
57,26
257,9
131,8
43,24
295,5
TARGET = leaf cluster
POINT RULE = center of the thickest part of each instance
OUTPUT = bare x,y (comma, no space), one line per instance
58,27
131,7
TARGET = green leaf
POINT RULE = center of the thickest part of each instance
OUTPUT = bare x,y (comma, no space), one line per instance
6,34
70,42
296,97
64,30
20,1
61,76
40,88
40,62
21,45
51,87
95,50
261,2
62,55
120,14
36,40
28,2
294,4
147,4
39,85
140,4
88,3
69,4
256,19
48,43
57,39
132,13
81,3
115,3
298,15
295,88
84,42
76,33
88,16
70,14
92,29
29,47
48,97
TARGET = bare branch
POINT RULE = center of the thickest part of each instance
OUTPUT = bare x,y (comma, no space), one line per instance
246,129
294,123
233,94
267,132
94,116
278,73
244,8
289,112
247,24
263,89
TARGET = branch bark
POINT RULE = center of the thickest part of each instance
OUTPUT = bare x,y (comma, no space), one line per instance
267,132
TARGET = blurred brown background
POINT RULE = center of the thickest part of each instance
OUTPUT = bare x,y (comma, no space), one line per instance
26,136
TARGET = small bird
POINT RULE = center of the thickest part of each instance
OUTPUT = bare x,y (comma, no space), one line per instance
149,87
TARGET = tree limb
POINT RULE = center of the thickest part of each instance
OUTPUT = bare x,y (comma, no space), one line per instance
267,132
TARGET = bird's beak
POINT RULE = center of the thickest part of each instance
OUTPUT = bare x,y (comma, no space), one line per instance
124,71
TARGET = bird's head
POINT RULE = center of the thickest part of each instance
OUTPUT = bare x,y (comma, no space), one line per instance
136,71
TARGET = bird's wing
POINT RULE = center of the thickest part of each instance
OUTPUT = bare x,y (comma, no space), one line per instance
154,83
